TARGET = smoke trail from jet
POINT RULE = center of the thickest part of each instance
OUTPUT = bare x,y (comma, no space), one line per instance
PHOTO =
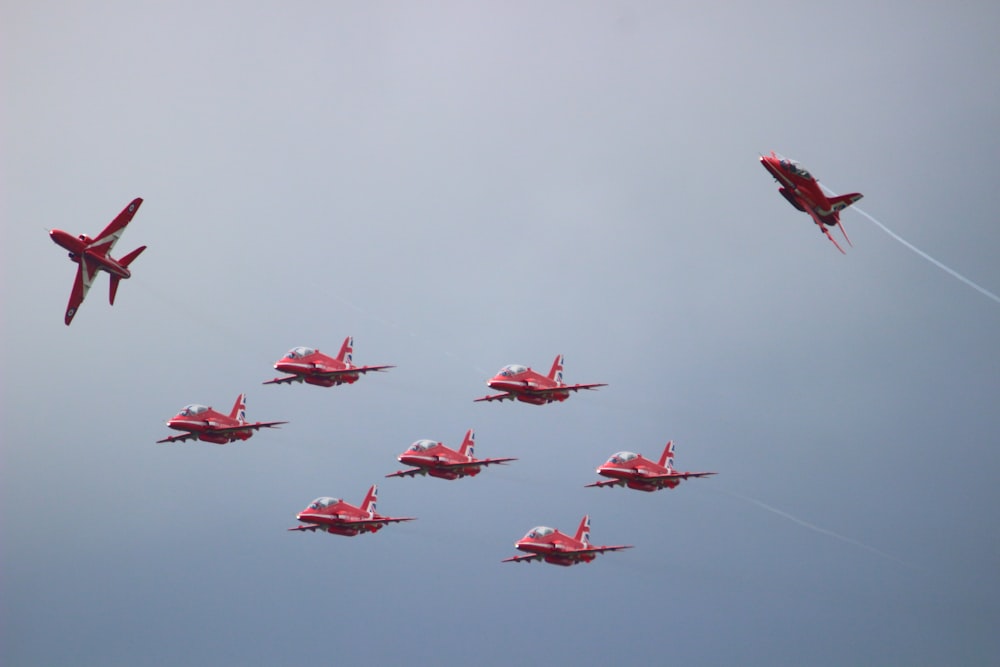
979,288
815,528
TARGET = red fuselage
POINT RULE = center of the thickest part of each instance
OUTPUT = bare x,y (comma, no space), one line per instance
311,368
78,247
523,386
800,189
633,474
204,425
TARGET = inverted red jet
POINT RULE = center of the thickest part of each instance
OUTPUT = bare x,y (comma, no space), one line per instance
94,255
313,367
552,546
522,383
804,193
434,459
204,423
637,472
333,515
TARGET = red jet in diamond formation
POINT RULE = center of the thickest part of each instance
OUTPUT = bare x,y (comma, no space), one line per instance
333,515
313,367
528,386
434,459
204,423
553,546
637,472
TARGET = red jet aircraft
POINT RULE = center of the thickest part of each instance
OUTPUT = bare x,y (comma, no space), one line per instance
552,546
804,193
434,459
204,423
313,367
94,255
333,515
522,383
637,472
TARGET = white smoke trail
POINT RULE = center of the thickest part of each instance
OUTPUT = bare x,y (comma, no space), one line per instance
815,528
979,288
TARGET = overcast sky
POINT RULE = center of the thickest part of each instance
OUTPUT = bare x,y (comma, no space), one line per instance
462,186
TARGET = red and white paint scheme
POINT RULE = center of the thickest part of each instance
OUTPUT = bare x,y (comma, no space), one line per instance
804,193
637,472
522,383
552,546
93,255
435,459
203,423
313,367
333,515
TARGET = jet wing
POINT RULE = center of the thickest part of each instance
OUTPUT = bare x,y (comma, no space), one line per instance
363,369
288,379
85,274
597,550
606,482
568,387
495,397
310,527
106,240
179,438
521,559
332,373
243,427
381,521
412,472
474,462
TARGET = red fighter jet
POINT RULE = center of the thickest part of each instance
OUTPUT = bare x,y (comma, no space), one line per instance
333,515
804,193
434,459
313,367
94,255
552,546
637,472
522,383
204,423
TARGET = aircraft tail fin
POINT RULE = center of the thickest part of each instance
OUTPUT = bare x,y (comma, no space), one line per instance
469,444
840,202
129,258
369,503
346,353
667,457
124,261
583,532
557,369
113,289
239,411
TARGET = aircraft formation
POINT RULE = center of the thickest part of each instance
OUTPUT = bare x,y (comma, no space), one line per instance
426,457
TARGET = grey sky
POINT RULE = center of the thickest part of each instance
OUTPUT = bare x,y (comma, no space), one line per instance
465,185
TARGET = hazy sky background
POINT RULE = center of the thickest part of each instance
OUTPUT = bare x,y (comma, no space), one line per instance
465,185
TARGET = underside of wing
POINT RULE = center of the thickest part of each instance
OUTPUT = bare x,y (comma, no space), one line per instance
521,559
495,397
366,369
601,549
569,387
244,427
606,482
412,472
179,438
288,379
85,274
310,527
